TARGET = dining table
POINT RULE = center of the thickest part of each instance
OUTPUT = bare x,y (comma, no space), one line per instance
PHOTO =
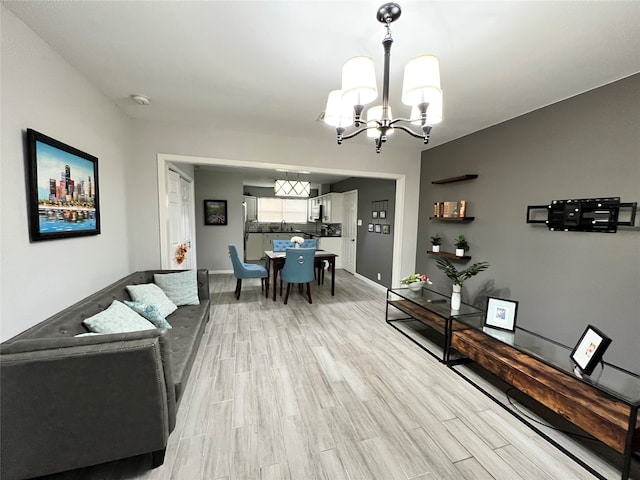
275,262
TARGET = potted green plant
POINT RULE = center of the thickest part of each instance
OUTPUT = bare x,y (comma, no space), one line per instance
458,277
436,241
461,245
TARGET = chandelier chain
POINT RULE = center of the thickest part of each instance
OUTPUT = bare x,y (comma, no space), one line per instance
388,25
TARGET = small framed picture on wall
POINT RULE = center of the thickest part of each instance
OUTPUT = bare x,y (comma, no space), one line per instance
374,214
215,212
378,228
383,214
370,227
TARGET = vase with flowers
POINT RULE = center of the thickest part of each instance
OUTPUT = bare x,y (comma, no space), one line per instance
415,282
297,241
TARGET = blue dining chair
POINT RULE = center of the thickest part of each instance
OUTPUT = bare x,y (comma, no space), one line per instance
298,268
281,245
243,270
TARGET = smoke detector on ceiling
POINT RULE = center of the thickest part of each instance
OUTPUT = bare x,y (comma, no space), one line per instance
140,99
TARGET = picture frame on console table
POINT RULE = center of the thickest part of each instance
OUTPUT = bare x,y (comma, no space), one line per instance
589,350
501,314
63,191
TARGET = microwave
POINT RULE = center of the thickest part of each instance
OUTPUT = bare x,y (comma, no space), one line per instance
316,213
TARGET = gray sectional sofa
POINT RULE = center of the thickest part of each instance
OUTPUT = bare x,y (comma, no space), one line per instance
69,402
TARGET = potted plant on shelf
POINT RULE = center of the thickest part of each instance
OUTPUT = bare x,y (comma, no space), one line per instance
436,241
458,277
461,245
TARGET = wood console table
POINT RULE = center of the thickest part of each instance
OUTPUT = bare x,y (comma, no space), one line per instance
605,405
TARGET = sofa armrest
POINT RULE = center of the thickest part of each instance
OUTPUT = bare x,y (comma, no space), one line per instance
203,284
72,402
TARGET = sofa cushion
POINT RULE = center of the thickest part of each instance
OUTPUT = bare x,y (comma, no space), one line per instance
181,288
152,294
150,312
117,318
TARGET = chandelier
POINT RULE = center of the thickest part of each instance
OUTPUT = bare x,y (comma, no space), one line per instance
420,90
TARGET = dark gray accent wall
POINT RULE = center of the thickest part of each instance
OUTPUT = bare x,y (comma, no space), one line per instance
584,147
374,253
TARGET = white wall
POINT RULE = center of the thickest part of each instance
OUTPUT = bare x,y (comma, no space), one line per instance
40,90
208,142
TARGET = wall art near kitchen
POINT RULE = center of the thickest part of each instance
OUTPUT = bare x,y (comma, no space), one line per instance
215,212
63,189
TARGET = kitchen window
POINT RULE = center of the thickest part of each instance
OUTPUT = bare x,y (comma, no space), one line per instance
291,210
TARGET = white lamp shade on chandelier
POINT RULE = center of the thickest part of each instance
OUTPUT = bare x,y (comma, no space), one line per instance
338,113
359,81
421,81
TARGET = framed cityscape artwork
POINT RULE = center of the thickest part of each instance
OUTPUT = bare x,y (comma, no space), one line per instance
62,189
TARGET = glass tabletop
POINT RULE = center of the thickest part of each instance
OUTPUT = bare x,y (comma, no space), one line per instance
606,377
434,302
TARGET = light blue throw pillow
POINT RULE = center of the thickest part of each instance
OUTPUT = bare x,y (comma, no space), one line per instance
152,294
117,318
181,287
150,312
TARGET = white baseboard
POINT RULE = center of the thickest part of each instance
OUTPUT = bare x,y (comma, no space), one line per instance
213,272
382,288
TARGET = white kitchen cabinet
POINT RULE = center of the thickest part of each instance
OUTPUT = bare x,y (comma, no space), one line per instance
251,205
331,207
268,238
335,208
254,247
333,245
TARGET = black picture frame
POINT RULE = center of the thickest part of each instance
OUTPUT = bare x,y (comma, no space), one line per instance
377,228
501,314
374,214
382,214
215,212
386,228
370,227
589,350
63,193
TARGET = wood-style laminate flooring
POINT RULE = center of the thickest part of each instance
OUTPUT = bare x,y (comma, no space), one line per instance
329,391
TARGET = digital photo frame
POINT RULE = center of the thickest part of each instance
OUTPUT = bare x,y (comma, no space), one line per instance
590,349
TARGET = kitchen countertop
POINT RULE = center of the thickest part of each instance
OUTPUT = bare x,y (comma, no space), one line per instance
297,232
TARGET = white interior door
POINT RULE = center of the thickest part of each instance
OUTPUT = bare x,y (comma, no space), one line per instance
180,225
349,231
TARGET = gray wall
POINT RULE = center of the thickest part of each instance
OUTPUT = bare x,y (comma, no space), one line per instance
586,146
212,241
374,253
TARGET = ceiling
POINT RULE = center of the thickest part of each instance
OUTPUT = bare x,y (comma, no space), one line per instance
267,66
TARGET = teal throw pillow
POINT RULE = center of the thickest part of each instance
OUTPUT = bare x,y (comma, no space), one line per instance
150,312
152,294
181,287
117,318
